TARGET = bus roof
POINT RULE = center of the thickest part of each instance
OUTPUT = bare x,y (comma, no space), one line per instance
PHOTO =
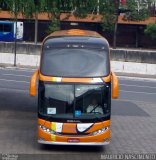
77,36
75,32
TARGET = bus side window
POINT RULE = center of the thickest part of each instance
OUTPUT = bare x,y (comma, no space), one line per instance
7,27
115,86
33,84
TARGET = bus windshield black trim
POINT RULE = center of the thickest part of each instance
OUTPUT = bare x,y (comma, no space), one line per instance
59,101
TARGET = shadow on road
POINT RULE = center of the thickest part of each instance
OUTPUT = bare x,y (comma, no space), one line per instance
74,149
127,108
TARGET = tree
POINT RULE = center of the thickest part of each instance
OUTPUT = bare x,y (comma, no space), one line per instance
151,30
135,10
78,8
107,10
54,25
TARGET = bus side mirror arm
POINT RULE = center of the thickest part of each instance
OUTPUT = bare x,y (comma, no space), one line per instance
115,86
33,81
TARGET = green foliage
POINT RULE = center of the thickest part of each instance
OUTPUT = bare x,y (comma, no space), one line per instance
81,8
54,25
107,10
135,9
138,10
151,30
108,22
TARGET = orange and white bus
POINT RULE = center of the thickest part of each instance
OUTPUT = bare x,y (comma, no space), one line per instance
75,85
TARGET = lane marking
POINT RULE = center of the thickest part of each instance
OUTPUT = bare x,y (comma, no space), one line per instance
19,75
23,90
137,92
129,85
18,69
129,100
137,79
9,80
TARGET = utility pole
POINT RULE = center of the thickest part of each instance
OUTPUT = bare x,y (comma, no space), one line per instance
15,38
116,3
36,26
36,2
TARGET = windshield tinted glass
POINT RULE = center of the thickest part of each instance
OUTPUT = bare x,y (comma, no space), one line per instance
75,60
64,101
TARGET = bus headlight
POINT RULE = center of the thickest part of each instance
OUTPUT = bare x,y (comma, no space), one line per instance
100,131
47,129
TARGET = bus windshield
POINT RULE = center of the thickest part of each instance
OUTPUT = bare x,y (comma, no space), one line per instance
75,60
74,101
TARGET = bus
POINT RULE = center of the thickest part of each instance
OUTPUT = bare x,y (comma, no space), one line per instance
8,31
75,85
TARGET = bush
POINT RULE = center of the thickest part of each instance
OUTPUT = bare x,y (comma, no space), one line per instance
151,30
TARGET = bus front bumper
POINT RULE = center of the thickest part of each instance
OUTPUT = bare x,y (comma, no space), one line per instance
80,143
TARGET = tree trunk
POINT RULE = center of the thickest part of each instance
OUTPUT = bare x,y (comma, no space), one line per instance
137,38
98,7
36,27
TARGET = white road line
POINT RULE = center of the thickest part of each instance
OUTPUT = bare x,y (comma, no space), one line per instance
137,92
129,85
9,80
17,89
137,79
18,69
130,100
19,75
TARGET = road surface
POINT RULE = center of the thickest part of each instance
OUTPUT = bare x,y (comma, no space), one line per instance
133,120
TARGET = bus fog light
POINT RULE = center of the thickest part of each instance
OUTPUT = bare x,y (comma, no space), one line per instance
47,130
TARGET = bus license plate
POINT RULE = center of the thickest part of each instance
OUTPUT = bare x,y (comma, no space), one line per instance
73,140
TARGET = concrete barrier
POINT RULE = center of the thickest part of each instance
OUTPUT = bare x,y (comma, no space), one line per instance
7,59
134,68
138,56
21,48
122,60
124,55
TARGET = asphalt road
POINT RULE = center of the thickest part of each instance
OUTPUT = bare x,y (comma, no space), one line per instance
133,120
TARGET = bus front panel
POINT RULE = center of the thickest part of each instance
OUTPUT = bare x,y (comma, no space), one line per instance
74,113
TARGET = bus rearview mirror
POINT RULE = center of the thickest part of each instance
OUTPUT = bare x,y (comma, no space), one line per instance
115,86
33,84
